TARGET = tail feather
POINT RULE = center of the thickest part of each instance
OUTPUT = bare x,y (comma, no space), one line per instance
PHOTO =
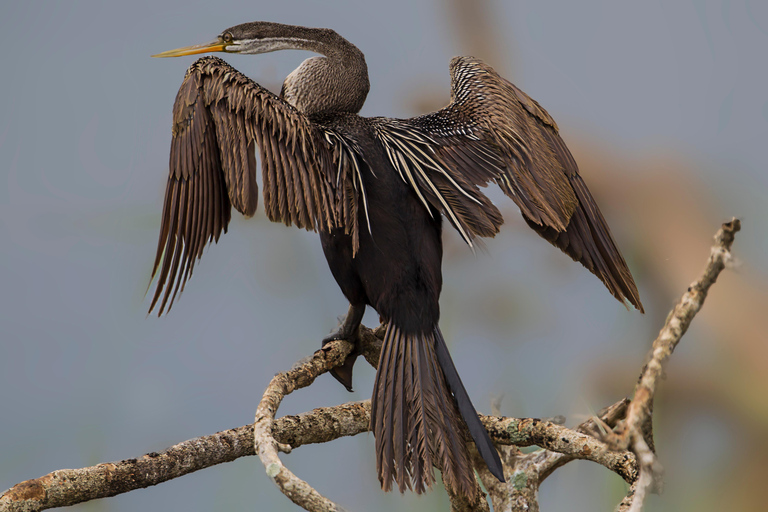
476,429
399,425
381,410
416,420
450,444
418,442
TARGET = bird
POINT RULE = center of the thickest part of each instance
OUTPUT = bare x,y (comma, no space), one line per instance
376,191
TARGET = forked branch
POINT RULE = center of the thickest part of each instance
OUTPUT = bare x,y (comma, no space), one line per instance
634,432
524,472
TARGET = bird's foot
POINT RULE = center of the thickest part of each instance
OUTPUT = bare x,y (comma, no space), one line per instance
343,373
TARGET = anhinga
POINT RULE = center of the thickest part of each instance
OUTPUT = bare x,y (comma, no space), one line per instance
376,190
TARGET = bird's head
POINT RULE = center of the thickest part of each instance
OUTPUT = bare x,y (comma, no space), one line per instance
256,37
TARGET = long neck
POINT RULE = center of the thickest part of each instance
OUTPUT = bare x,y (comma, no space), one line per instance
334,83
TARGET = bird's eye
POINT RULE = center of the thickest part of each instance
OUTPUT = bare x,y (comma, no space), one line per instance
227,37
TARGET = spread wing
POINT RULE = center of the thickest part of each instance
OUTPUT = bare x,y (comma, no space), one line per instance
219,118
491,131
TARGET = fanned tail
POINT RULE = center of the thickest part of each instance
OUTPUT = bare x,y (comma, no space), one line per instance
416,420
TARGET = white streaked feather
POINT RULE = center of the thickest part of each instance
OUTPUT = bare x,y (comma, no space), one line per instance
404,164
409,152
448,209
434,165
348,156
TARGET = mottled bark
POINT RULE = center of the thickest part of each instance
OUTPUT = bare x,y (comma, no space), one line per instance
635,431
619,438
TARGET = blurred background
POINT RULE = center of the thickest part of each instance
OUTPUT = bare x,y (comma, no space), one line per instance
664,105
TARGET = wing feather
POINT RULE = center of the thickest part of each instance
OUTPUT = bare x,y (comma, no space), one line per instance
219,118
491,131
437,178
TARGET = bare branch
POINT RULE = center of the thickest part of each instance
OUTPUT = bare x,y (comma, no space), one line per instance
330,356
556,438
321,425
461,503
650,473
607,418
634,431
524,473
626,503
520,492
497,491
675,327
296,489
70,486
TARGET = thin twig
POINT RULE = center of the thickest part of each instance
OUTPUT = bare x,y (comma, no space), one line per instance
677,323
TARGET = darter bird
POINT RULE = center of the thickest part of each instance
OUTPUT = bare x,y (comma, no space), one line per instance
376,190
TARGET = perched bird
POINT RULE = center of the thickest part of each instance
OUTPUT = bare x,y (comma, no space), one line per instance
376,190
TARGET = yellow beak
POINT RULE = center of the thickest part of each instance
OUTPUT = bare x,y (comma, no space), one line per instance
214,46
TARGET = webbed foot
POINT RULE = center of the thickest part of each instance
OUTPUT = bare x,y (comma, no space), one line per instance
348,331
343,373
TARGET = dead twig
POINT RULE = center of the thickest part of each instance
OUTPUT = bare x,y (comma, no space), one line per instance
634,432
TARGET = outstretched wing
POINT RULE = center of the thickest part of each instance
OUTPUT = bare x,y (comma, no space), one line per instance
491,131
219,116
415,151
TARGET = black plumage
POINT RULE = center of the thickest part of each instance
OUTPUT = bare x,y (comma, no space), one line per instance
376,190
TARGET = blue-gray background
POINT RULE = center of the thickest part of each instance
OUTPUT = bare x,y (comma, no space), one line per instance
665,105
